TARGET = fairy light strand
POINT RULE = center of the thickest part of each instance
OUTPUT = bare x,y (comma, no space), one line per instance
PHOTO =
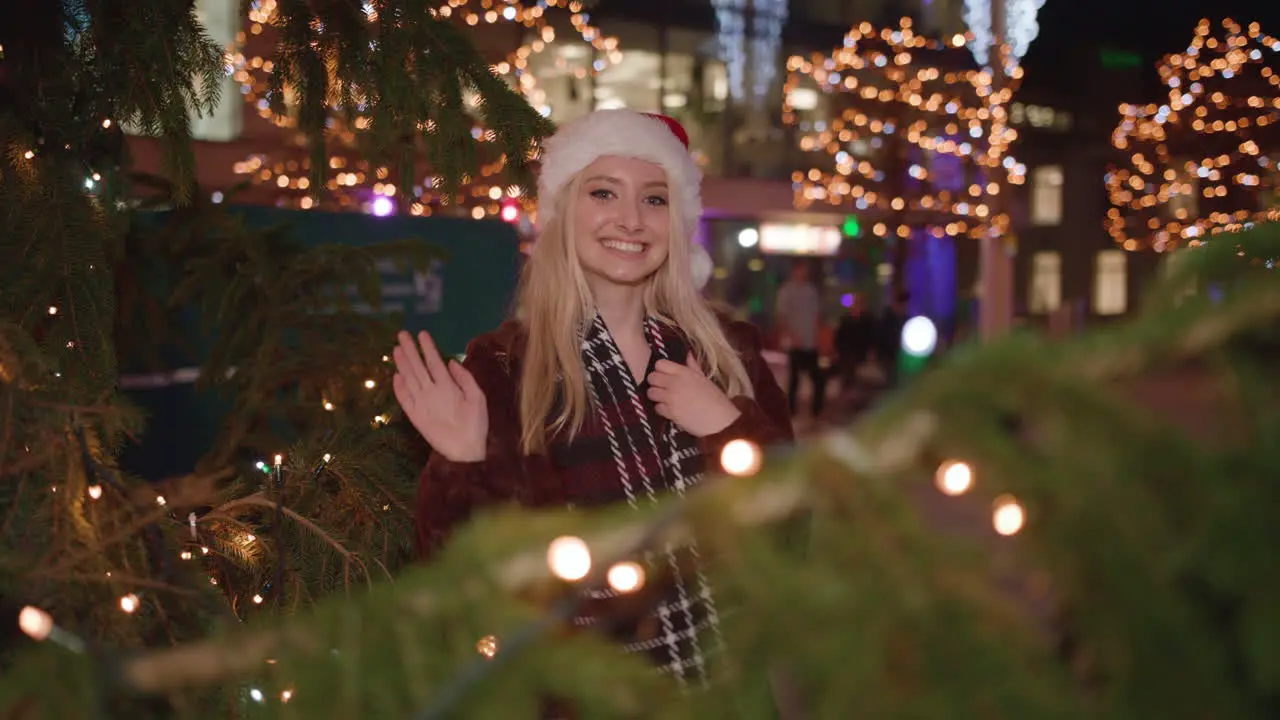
350,179
1205,161
950,112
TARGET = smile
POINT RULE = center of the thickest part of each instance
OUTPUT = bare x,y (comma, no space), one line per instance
625,246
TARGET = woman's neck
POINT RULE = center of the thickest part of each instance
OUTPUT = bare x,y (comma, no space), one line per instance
621,307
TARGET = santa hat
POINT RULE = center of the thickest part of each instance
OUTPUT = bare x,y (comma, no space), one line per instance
622,133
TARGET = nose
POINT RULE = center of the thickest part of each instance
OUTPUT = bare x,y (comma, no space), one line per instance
630,218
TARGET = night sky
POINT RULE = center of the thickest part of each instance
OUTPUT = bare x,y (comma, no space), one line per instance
1150,28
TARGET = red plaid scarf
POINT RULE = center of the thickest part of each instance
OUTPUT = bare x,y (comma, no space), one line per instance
626,451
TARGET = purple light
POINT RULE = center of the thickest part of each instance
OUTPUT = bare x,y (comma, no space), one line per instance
383,207
847,300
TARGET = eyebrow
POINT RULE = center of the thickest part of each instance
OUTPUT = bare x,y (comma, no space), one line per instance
610,179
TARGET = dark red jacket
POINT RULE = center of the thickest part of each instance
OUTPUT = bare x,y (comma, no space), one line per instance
449,492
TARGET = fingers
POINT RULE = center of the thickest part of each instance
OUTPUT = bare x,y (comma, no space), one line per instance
435,364
409,361
405,395
669,368
659,395
466,382
664,410
692,362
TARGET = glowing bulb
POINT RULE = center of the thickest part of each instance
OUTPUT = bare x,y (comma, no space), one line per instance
106,123
95,492
279,460
186,555
748,237
36,623
28,154
53,309
569,558
741,458
370,384
626,577
257,599
327,457
286,696
487,646
161,501
1009,516
204,551
129,603
919,336
328,406
954,477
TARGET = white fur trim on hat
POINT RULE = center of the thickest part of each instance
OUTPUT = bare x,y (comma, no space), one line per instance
620,133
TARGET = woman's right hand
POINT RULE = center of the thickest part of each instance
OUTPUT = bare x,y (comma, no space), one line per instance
442,401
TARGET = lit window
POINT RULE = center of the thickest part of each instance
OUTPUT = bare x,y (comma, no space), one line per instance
1045,291
1046,195
1111,283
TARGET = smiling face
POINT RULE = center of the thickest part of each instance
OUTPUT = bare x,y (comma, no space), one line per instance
622,220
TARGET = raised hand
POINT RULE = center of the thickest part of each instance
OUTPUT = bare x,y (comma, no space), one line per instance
686,397
442,401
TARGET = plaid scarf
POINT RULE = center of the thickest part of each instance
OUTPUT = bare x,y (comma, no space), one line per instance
629,452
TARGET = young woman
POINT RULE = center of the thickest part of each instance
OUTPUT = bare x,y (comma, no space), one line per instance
615,382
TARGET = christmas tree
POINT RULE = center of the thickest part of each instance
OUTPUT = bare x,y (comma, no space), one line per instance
306,489
913,137
1032,531
1204,162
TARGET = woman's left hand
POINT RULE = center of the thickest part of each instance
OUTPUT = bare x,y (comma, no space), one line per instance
686,397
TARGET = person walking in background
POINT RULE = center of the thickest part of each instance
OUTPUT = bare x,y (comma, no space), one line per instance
889,337
854,338
799,314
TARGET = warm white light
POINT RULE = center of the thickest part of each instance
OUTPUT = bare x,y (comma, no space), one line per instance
36,623
626,577
740,457
53,309
204,551
487,646
954,477
257,599
129,603
748,237
279,460
185,555
160,500
1009,516
370,384
327,457
286,696
919,336
328,406
569,558
95,492
106,123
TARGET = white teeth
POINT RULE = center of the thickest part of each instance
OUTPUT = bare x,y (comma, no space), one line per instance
628,247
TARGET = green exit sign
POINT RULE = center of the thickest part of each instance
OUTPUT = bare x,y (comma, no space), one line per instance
1113,59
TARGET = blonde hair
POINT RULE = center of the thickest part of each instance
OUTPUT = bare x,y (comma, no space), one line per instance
554,302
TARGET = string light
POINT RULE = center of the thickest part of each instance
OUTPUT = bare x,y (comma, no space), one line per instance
39,626
741,458
95,492
954,477
129,603
1008,515
625,577
352,180
1021,28
487,646
889,92
569,558
1204,162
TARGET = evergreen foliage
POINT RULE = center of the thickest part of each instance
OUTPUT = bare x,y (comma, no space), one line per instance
89,285
1138,586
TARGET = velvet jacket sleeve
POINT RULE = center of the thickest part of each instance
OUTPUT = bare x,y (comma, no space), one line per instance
449,492
765,418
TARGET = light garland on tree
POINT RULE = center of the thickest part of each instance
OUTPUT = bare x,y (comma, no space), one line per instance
943,112
353,183
1181,156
